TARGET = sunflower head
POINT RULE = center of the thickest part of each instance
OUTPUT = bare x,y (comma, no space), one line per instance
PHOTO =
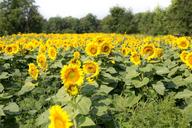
188,60
59,118
182,43
42,61
72,90
92,49
135,58
148,51
105,48
75,62
33,71
125,51
52,52
72,75
76,55
91,68
9,49
183,56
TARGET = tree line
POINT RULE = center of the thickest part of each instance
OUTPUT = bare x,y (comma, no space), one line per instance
23,16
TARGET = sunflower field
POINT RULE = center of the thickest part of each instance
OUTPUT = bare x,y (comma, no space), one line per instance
95,80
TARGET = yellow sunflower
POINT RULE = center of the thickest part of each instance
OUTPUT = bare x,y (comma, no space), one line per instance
72,75
9,49
182,43
72,90
91,68
92,49
183,56
52,53
33,71
105,48
76,55
135,58
158,52
148,51
189,60
59,118
42,48
42,61
75,62
125,51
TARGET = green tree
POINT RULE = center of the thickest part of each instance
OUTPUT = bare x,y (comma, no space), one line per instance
180,17
19,16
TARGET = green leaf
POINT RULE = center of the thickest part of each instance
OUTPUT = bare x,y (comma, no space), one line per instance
139,84
101,110
131,72
57,64
178,81
105,89
87,122
147,68
162,70
159,87
185,94
12,107
27,88
43,118
84,105
1,111
111,70
4,75
61,97
1,88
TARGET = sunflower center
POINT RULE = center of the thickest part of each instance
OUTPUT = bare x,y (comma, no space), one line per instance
148,51
105,49
72,76
91,69
183,44
9,49
93,50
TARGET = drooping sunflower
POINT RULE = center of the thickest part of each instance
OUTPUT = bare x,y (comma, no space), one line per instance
72,90
72,75
182,43
92,49
105,48
33,71
183,56
76,55
59,118
91,68
189,60
135,58
42,61
52,53
148,51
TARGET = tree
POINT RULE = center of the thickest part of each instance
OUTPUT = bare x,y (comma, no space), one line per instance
180,17
19,16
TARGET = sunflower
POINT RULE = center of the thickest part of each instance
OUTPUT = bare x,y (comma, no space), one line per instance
189,60
105,48
76,55
59,118
182,43
91,68
125,51
33,71
135,58
158,52
148,51
42,48
183,56
72,75
75,62
9,49
92,49
72,90
52,53
42,61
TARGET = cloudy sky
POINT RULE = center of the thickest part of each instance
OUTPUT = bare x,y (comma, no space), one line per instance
100,8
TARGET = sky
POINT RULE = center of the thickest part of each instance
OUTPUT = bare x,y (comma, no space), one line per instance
100,8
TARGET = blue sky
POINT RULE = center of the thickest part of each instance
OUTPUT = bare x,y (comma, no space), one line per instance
100,8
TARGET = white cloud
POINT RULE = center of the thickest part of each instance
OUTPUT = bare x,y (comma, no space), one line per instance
100,8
